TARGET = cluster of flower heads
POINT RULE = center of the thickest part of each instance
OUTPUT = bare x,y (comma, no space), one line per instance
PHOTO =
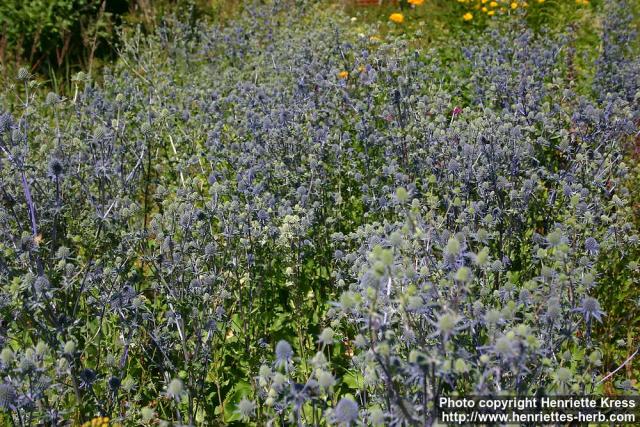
488,9
274,224
495,8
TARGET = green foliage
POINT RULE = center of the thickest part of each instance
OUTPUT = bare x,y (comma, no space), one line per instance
58,37
46,32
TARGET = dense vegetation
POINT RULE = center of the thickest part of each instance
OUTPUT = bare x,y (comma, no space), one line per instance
292,219
57,38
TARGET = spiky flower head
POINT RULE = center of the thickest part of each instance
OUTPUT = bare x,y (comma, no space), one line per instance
7,396
590,309
447,323
591,246
402,194
505,346
453,247
23,74
554,238
326,336
69,347
562,375
326,380
55,168
52,98
175,389
346,411
7,356
147,413
246,408
284,353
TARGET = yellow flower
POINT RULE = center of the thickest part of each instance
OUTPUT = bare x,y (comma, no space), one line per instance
362,68
484,9
491,12
343,74
398,18
97,422
540,1
514,5
493,4
467,16
416,2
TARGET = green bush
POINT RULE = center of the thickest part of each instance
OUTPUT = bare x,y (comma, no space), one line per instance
47,33
57,37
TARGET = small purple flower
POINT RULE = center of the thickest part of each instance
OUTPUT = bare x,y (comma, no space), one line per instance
346,411
591,245
284,353
55,168
590,309
7,396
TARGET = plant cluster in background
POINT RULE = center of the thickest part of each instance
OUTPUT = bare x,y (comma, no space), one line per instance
287,221
480,12
492,8
58,37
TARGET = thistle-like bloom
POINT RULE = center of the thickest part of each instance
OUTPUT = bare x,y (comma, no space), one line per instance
562,376
7,396
55,168
114,383
346,411
447,324
87,378
175,389
326,380
284,353
246,408
326,337
505,347
147,413
591,246
23,74
554,238
453,247
7,356
590,309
